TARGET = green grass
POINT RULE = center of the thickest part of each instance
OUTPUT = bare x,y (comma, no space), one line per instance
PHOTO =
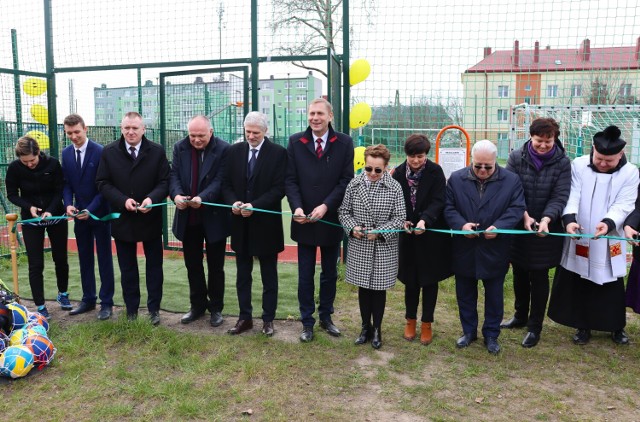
175,289
116,370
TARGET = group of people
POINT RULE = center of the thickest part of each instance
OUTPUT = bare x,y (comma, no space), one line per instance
398,223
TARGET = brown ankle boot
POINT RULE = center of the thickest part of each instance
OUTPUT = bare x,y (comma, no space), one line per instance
426,334
410,330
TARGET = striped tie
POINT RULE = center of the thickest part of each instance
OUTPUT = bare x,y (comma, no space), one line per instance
319,147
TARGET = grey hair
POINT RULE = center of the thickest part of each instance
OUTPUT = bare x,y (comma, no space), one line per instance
255,118
202,118
484,146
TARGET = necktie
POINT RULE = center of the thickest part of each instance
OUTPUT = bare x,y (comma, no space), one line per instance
78,160
133,152
319,147
252,162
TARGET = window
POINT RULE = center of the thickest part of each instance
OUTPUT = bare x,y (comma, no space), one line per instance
552,90
279,91
503,115
527,100
100,94
625,90
301,84
127,93
266,98
302,97
503,91
286,85
265,110
527,87
503,136
301,111
576,90
287,98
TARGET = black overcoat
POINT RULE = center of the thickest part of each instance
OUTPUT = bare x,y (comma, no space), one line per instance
119,178
425,258
215,220
312,181
261,233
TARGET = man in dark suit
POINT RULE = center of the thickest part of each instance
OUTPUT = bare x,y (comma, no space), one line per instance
134,173
254,178
196,176
319,168
79,165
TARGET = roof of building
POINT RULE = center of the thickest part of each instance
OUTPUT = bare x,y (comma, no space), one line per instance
556,60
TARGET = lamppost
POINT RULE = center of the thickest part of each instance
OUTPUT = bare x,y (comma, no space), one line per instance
288,111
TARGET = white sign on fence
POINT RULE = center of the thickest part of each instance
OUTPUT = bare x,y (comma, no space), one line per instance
452,159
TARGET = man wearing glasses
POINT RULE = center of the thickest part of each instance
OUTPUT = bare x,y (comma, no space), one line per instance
481,198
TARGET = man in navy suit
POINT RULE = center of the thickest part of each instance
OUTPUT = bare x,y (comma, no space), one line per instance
196,176
320,166
81,197
254,178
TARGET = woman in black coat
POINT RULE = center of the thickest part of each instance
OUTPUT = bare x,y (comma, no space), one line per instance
545,173
34,183
425,257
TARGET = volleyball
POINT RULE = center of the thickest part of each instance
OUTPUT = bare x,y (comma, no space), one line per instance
16,361
42,349
38,318
19,314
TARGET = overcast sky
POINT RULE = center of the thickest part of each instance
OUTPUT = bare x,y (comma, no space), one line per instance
417,47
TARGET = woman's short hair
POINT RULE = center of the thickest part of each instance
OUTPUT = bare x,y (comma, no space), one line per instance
545,127
255,118
417,143
378,151
26,145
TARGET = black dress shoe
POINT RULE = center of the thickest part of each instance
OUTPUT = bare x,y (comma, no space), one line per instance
620,337
267,328
216,319
241,326
514,323
328,326
154,318
105,312
365,334
492,344
531,339
132,316
466,340
191,316
82,308
582,336
307,334
376,341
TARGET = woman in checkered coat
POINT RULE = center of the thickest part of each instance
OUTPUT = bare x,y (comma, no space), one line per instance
373,202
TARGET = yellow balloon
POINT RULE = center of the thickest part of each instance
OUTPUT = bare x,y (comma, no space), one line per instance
360,115
41,138
359,71
358,158
35,86
40,114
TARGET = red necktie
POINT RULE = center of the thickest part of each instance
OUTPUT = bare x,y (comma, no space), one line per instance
319,148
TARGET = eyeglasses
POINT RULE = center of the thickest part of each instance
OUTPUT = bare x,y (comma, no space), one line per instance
487,167
370,169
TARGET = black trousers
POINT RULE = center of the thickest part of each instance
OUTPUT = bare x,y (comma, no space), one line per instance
33,237
130,277
204,293
372,303
531,289
269,275
412,299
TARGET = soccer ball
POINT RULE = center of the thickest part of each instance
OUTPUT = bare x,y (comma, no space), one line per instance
19,313
42,349
17,337
38,318
16,361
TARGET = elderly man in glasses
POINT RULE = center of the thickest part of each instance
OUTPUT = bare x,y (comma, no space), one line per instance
480,199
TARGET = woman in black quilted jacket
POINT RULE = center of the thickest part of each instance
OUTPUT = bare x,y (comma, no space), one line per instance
545,173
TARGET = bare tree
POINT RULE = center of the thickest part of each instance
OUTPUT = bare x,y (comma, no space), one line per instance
316,23
608,88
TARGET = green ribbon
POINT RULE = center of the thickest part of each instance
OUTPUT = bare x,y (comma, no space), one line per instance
107,217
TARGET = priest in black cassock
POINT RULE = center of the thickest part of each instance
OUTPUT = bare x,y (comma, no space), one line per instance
588,287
